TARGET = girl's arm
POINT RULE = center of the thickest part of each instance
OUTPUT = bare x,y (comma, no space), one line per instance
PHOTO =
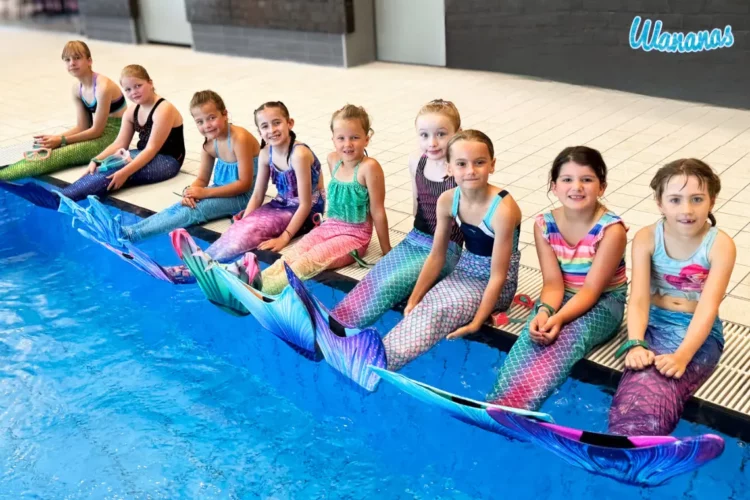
302,159
201,181
639,300
413,162
124,136
504,223
245,149
87,133
261,182
164,119
608,256
436,260
722,258
375,183
82,122
553,288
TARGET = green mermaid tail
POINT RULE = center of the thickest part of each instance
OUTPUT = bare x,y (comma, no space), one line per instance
72,155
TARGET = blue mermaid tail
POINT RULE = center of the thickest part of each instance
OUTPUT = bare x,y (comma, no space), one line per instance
637,460
284,314
101,229
33,193
466,410
349,351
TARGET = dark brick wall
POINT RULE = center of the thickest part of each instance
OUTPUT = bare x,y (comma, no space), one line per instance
314,48
109,8
317,16
587,42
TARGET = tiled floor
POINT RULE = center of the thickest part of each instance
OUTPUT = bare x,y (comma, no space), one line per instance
529,120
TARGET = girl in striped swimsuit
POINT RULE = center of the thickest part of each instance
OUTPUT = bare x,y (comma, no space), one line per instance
581,249
395,275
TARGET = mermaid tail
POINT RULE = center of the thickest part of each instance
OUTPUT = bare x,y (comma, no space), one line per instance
284,314
642,460
466,410
202,268
349,351
33,193
637,460
94,225
64,157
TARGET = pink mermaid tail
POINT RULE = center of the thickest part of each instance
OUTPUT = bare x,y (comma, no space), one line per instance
325,247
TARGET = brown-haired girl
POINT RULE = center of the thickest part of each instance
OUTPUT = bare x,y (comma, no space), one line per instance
581,249
356,197
681,269
99,105
295,171
232,177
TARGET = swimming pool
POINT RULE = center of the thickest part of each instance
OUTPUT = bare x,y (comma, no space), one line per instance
114,385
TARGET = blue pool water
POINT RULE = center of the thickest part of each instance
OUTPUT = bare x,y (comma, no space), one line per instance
114,385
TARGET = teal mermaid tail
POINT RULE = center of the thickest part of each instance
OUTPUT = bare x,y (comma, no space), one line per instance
349,351
466,410
284,314
203,270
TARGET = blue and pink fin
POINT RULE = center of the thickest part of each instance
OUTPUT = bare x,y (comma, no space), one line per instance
349,351
97,224
284,315
637,460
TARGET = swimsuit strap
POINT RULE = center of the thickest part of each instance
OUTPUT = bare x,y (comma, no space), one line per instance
493,207
454,208
80,92
229,142
336,168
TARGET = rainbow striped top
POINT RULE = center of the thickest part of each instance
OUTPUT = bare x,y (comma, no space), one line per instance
575,261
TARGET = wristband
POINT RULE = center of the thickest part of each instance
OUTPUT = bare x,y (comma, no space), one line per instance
629,345
287,232
63,141
550,310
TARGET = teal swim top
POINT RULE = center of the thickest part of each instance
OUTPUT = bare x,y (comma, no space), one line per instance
348,201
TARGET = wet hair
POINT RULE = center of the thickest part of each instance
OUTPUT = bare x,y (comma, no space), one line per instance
76,48
135,71
285,112
352,112
473,136
444,108
206,96
689,167
582,155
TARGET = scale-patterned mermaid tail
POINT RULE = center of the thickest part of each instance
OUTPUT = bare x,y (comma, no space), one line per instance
349,351
284,314
639,460
64,157
98,225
